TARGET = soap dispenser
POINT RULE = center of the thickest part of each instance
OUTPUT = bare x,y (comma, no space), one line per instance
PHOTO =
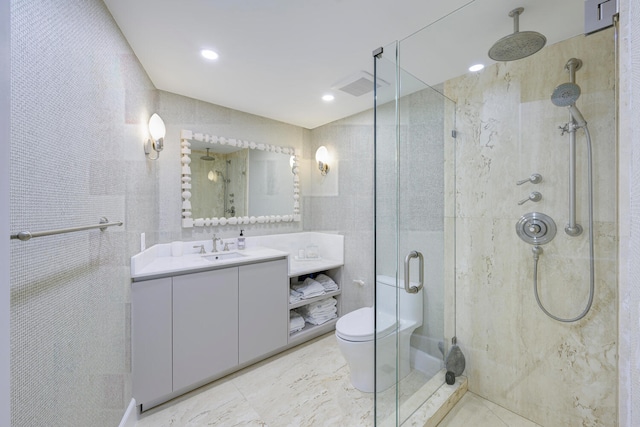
241,242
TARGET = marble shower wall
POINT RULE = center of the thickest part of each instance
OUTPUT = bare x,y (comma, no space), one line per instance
550,372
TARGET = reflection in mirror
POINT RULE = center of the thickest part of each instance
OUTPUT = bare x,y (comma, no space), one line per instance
218,183
229,181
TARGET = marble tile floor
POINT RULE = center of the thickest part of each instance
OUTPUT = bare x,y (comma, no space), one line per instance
473,410
304,386
307,385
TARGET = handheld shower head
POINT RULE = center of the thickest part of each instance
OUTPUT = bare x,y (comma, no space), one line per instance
566,95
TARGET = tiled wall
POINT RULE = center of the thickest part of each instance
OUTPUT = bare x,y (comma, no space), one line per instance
550,372
80,99
5,37
629,195
350,141
81,102
349,212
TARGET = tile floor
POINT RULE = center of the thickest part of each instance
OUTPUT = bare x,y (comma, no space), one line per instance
305,386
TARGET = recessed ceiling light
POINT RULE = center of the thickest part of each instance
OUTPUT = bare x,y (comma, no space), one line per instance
476,67
209,54
328,98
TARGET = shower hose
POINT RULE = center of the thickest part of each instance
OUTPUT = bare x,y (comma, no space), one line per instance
537,251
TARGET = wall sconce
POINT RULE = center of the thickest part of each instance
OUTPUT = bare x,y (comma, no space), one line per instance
322,156
157,131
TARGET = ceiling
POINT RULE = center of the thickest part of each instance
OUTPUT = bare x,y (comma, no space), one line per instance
279,57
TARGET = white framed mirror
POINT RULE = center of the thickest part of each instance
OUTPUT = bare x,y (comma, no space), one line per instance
228,181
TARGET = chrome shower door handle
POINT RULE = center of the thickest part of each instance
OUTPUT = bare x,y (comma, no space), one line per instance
407,279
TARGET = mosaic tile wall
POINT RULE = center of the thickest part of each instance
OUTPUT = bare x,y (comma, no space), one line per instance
350,142
79,102
629,176
5,398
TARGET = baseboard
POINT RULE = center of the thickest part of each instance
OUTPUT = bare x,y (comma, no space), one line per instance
130,416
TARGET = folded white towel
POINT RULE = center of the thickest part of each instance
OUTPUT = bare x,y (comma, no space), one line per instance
319,320
319,312
327,305
327,282
296,322
309,288
294,296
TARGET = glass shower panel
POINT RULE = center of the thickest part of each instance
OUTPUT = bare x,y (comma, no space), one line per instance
508,129
386,233
413,129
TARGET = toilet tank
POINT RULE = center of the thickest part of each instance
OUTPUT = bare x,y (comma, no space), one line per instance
410,304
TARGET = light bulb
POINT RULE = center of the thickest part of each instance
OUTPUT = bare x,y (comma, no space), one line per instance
322,154
156,127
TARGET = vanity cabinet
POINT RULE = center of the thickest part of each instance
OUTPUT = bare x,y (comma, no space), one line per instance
151,339
205,325
263,318
193,328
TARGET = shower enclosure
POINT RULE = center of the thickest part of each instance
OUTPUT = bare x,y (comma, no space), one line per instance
461,157
414,125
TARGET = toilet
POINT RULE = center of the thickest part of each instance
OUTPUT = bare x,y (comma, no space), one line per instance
355,336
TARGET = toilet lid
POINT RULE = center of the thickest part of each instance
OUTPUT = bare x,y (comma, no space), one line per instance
358,325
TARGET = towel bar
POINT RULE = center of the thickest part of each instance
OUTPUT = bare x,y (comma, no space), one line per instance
26,235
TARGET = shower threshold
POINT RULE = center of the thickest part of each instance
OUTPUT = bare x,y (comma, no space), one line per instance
441,399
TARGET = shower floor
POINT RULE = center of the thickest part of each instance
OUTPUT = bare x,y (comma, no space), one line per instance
305,386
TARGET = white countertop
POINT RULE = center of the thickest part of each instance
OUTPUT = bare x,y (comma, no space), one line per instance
162,266
156,261
300,267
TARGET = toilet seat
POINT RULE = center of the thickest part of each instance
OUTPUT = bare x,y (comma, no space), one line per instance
358,325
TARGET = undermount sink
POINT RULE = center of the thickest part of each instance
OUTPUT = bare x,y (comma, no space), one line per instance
222,256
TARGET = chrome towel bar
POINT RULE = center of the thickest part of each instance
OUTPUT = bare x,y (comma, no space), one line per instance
26,235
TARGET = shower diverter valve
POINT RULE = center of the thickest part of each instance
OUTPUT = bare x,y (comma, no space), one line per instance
536,228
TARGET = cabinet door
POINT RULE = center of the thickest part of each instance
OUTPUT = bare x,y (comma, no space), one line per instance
151,339
205,325
264,310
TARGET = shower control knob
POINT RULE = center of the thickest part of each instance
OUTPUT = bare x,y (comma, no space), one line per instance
536,229
534,197
535,178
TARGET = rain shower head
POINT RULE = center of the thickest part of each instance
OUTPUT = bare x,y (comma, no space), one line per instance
566,95
207,157
519,44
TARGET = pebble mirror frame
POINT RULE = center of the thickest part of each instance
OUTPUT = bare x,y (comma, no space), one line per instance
185,158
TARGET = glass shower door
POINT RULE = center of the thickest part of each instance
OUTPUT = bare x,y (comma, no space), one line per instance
413,145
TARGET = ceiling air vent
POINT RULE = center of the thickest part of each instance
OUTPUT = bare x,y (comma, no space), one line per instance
358,84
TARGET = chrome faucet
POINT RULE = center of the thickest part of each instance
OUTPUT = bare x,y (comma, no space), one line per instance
215,244
226,246
202,251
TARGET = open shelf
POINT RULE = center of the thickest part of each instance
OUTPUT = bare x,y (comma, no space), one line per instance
314,299
310,329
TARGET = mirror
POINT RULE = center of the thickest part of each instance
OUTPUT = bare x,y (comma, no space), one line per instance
231,181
